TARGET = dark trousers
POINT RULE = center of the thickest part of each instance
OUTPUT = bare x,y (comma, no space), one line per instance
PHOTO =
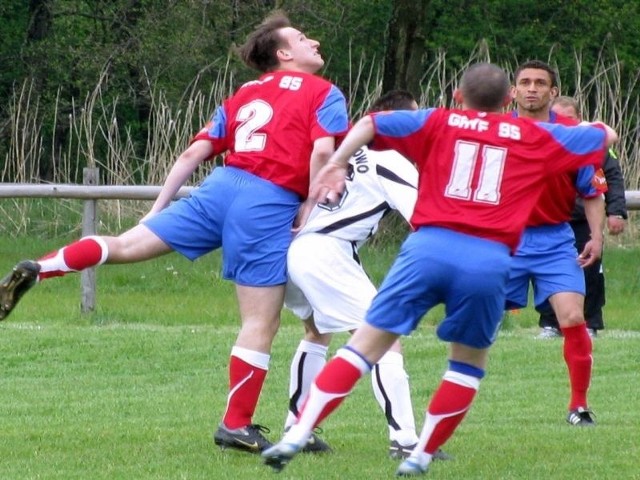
594,279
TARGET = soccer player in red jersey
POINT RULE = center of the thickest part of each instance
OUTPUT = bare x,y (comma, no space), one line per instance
616,215
547,256
277,131
330,291
480,175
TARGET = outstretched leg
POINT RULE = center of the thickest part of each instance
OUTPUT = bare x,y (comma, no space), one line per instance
135,245
330,388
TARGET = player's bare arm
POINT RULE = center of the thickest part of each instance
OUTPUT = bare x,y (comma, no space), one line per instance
303,215
182,169
323,148
594,211
611,134
328,185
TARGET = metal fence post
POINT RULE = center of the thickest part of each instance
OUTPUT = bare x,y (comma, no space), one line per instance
90,176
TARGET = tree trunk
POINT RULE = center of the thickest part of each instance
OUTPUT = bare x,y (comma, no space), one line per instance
38,30
39,20
405,47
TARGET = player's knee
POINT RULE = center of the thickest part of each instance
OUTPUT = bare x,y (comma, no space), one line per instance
317,338
571,318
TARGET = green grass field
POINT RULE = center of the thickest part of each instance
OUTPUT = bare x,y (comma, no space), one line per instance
136,389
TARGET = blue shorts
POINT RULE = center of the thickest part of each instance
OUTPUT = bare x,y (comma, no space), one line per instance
546,258
251,218
436,265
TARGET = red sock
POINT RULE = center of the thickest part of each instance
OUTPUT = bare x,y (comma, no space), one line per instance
245,385
578,351
337,378
331,387
85,253
449,405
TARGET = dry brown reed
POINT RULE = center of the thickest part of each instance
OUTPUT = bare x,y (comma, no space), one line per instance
95,136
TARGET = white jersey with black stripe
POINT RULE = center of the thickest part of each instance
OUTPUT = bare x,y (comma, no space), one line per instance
377,181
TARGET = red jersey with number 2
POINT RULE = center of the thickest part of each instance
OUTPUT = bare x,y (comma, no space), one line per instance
482,173
269,125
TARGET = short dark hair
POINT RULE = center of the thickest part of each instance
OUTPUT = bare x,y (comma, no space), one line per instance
537,65
393,100
259,49
484,87
565,101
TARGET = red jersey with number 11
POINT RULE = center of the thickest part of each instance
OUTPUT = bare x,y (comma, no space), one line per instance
482,173
269,125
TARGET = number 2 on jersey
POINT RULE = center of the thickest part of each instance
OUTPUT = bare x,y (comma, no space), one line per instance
253,116
464,165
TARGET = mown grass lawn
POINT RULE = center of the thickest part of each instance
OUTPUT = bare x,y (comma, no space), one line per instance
136,389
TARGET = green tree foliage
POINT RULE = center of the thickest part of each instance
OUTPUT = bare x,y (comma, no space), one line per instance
14,20
62,56
549,30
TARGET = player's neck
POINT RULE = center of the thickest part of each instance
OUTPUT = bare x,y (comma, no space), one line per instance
297,68
537,115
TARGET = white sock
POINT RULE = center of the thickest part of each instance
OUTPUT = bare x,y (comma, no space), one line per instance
318,400
391,388
305,365
56,261
253,358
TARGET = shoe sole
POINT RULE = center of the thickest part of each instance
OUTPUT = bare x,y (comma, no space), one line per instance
583,424
410,471
224,441
278,459
15,285
398,454
235,445
277,462
316,446
442,456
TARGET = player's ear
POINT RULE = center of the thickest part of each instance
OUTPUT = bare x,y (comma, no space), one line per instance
507,100
283,54
458,97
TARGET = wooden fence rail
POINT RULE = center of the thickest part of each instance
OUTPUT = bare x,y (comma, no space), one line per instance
84,192
124,192
91,192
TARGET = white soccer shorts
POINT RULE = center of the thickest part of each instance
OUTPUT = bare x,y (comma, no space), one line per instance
325,278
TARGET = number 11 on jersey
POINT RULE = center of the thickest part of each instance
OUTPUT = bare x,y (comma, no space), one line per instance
491,161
